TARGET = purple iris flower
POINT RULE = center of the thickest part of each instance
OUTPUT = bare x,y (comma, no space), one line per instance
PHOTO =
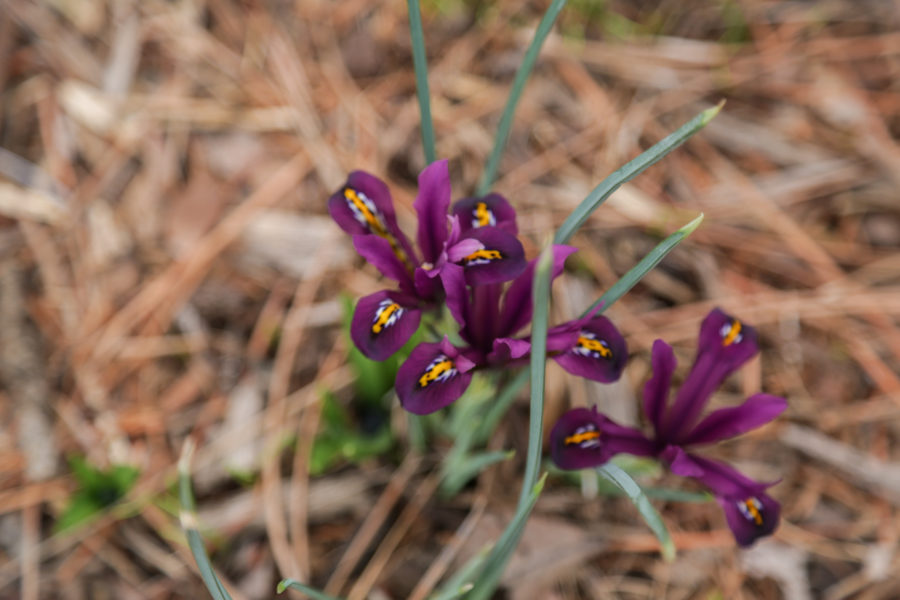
435,375
477,238
585,438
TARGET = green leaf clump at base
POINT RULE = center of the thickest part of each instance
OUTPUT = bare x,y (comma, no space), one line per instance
98,489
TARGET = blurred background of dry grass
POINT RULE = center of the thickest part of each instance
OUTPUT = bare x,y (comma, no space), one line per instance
168,269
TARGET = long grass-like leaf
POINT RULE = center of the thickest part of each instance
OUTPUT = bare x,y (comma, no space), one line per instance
634,492
490,170
420,65
461,582
646,264
189,524
629,171
293,584
531,487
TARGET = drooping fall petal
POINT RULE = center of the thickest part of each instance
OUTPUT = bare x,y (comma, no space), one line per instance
498,257
492,210
434,376
598,353
383,322
584,438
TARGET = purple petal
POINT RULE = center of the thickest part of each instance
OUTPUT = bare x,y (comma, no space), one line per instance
517,304
379,252
584,438
363,205
749,511
656,390
500,257
729,422
725,344
432,204
382,323
750,516
454,281
432,378
427,283
506,350
599,352
489,211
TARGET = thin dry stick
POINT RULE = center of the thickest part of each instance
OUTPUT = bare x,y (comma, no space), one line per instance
31,556
298,501
375,519
168,290
370,575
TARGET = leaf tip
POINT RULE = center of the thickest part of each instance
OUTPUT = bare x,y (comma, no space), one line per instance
282,585
710,113
688,229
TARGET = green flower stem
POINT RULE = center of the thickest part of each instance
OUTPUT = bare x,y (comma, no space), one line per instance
420,64
637,272
629,171
490,171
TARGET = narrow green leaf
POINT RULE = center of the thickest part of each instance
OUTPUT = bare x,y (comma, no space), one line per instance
488,578
461,582
189,524
539,326
420,65
629,171
634,492
637,272
293,584
490,171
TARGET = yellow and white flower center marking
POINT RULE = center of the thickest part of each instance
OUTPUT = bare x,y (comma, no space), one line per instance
440,369
585,436
731,333
387,314
589,345
751,509
482,257
482,216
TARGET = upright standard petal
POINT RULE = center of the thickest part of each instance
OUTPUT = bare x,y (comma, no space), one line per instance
432,204
729,422
434,376
656,390
598,353
382,323
492,210
517,303
584,438
499,256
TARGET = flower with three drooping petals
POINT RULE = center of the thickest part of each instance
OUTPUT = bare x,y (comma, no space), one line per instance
585,438
489,320
477,238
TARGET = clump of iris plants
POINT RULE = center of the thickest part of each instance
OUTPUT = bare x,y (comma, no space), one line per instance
465,260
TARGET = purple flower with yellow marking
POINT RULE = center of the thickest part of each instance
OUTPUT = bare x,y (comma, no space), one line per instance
479,237
489,319
585,438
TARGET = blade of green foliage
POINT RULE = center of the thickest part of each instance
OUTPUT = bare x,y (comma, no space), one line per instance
188,523
629,171
646,264
293,584
490,171
531,488
634,492
461,582
489,577
420,65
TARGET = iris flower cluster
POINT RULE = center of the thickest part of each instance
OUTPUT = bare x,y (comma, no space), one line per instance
585,438
469,259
